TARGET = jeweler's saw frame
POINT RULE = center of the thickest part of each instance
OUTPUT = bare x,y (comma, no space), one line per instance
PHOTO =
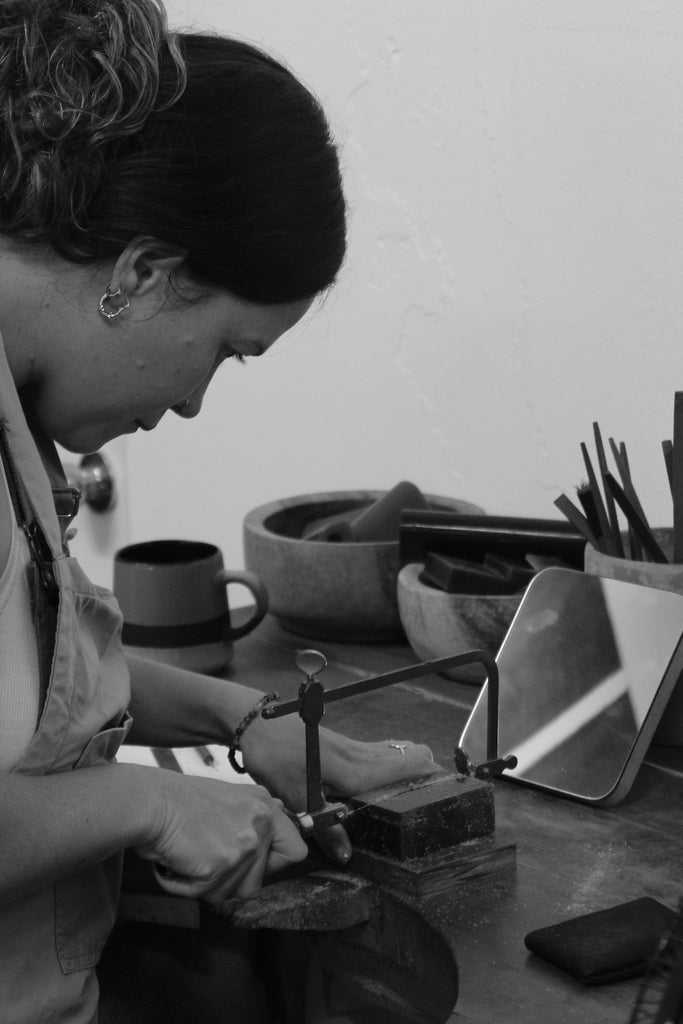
313,697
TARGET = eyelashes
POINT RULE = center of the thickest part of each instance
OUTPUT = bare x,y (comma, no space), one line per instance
238,357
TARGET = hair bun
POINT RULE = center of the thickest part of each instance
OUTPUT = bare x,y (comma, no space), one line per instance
75,77
47,20
11,11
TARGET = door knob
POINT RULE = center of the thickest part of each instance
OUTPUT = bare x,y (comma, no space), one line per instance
93,478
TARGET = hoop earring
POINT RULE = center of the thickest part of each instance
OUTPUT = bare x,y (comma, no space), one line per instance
111,314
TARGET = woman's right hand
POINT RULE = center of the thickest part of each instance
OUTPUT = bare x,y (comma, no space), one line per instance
213,840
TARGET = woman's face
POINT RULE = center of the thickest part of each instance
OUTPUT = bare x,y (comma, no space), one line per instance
136,370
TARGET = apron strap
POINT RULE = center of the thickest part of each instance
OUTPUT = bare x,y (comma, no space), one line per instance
41,553
44,586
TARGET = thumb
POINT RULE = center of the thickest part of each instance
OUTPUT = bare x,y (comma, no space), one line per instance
335,844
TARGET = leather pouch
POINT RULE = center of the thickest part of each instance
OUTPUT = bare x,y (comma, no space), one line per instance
606,946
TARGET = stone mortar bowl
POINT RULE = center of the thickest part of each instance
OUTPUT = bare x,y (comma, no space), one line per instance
326,590
438,624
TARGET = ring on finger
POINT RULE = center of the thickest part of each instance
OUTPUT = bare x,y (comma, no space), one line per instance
398,746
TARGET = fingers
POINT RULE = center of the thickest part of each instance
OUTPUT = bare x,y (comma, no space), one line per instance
351,767
243,879
287,847
400,761
180,885
335,844
416,753
408,759
219,840
239,883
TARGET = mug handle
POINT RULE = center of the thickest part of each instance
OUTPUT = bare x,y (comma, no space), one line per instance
259,593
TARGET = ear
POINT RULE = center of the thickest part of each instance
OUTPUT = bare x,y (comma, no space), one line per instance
144,268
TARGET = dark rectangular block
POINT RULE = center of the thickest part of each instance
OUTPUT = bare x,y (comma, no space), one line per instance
417,818
437,874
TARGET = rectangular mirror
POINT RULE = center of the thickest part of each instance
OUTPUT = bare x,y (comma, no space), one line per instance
586,670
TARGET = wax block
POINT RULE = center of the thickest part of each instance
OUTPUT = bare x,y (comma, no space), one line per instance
382,519
518,572
377,521
458,576
331,528
414,819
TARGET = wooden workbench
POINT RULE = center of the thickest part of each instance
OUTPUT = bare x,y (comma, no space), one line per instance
571,859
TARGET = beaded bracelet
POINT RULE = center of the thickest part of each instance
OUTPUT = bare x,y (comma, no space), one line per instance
248,718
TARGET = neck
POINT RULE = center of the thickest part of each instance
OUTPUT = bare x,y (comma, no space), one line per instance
30,298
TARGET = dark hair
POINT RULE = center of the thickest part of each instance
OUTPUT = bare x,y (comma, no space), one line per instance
112,128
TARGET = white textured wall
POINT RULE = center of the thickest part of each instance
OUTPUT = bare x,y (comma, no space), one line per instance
514,171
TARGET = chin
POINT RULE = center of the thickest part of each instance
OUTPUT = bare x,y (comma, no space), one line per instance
77,448
87,442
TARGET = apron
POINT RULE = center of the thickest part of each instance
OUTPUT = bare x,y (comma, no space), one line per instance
51,941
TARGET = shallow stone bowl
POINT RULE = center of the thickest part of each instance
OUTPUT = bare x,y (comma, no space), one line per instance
328,590
438,624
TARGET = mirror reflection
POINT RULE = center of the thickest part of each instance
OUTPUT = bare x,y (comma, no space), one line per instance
585,670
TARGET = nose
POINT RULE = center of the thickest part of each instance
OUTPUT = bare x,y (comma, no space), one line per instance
192,405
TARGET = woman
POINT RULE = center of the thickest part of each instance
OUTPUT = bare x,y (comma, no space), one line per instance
166,203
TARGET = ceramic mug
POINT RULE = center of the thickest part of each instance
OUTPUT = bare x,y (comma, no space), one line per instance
174,599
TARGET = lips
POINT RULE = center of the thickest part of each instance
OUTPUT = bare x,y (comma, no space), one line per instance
149,424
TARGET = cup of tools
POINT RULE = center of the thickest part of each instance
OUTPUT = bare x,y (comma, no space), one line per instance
174,598
640,554
661,576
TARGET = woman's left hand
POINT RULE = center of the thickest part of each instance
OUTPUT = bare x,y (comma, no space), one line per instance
274,754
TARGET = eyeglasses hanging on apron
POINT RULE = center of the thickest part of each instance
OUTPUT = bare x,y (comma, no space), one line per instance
67,501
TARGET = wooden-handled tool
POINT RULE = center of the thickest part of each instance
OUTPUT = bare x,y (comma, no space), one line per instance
597,520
